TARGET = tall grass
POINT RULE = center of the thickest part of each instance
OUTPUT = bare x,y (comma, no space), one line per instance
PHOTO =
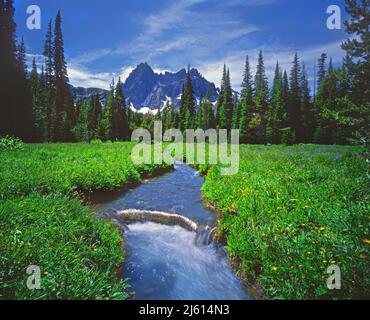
291,212
43,223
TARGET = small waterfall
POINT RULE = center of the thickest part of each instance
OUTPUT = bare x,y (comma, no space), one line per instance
204,236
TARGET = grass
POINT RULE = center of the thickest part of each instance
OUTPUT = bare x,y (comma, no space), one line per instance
67,168
291,212
44,223
288,214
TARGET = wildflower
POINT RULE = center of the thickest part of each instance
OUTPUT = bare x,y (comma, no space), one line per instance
46,273
274,268
332,261
322,229
367,241
324,261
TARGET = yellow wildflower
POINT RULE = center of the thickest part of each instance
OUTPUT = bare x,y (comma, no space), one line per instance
322,229
367,241
332,261
274,268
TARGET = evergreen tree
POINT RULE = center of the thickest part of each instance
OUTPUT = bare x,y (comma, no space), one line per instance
225,113
107,119
16,104
236,114
294,104
261,99
275,110
325,104
322,69
94,117
358,70
246,108
205,116
37,93
64,109
23,121
187,108
49,88
220,99
307,116
120,128
285,98
167,116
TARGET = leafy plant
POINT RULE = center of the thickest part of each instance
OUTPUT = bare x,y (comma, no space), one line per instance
10,143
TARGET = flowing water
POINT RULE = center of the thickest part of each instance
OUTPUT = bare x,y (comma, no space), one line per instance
169,262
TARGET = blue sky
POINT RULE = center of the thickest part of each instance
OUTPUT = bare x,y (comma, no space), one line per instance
105,39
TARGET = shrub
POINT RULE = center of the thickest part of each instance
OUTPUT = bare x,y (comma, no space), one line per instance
10,143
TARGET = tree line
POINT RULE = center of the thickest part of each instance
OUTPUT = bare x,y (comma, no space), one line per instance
287,112
38,106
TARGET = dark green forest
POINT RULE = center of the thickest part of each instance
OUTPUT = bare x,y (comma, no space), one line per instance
37,105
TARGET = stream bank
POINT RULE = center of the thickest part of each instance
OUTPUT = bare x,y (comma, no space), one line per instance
168,261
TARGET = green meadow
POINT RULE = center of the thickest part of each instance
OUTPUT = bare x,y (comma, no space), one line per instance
289,214
44,222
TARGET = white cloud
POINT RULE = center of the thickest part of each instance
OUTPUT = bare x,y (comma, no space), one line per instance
91,56
80,77
125,72
181,29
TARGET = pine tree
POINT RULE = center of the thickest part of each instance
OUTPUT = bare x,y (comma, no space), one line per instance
261,98
23,121
64,109
107,119
37,93
167,116
236,114
220,99
294,104
205,116
94,117
49,85
8,65
322,69
275,109
285,98
307,116
16,103
246,108
187,108
325,104
120,128
225,112
358,50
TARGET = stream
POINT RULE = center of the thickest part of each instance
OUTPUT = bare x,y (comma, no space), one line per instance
165,262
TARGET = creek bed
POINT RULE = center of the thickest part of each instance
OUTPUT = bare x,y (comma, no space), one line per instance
167,262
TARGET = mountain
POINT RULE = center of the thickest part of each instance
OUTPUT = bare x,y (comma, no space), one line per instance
145,88
79,93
